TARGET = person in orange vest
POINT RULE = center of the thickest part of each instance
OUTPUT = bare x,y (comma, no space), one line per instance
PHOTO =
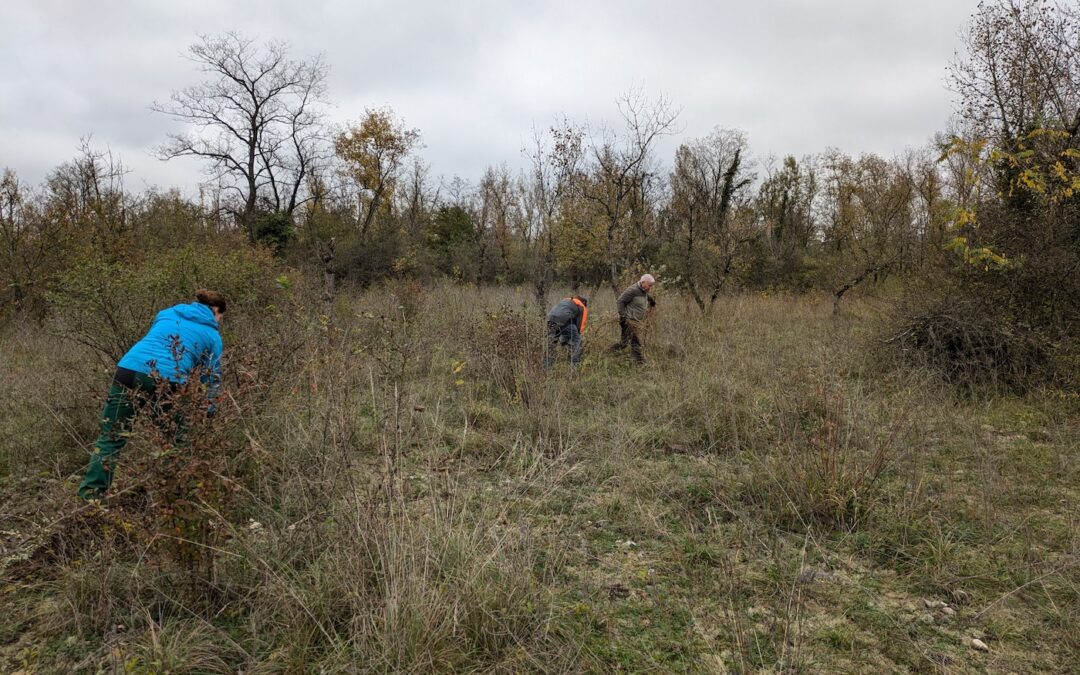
565,326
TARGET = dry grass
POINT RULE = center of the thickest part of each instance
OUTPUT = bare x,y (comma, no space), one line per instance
416,495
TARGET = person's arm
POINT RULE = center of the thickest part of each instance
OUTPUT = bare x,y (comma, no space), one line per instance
624,300
211,375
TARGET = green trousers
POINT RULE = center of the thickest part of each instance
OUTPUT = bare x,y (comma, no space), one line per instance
116,418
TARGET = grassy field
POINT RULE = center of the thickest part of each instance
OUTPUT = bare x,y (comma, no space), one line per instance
399,487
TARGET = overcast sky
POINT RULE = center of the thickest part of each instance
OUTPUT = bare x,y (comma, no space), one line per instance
797,76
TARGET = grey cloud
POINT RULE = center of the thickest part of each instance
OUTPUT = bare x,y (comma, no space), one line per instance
797,75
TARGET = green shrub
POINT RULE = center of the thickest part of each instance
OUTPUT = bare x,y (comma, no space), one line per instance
108,306
275,229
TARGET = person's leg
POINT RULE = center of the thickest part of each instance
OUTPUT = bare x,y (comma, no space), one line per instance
573,337
624,338
115,427
636,347
551,344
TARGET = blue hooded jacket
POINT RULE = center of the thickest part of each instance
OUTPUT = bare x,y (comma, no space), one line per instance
183,339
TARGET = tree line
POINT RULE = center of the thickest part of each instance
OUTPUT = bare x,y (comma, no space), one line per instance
985,215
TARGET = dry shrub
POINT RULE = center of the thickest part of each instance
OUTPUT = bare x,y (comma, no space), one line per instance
437,589
970,346
507,346
180,646
185,481
828,462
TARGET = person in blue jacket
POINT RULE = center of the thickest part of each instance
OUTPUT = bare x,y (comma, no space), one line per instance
183,341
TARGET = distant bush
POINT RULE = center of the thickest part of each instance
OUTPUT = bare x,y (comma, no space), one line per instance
107,306
275,229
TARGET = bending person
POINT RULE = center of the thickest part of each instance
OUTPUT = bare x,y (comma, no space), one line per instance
565,326
183,340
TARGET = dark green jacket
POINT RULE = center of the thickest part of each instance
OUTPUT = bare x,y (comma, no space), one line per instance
634,303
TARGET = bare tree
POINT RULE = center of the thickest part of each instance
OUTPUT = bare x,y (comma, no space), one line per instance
499,201
1020,70
87,197
620,170
416,198
556,160
869,216
710,181
930,209
256,121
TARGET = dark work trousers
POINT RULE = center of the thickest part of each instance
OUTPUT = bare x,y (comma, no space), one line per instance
630,336
128,393
562,335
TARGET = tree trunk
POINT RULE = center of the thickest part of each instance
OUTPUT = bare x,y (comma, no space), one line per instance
326,255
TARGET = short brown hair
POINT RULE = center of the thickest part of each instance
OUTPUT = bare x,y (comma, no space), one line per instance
211,299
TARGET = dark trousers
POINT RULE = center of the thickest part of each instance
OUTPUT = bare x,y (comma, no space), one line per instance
124,400
562,335
630,336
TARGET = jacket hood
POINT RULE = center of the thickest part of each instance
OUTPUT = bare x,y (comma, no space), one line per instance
196,312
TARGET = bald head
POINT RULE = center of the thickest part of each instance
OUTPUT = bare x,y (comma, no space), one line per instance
646,282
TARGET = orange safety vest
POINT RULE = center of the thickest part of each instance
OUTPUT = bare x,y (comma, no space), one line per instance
584,312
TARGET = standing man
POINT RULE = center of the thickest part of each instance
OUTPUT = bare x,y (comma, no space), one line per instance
634,305
565,325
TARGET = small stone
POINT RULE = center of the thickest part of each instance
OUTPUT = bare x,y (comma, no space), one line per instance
960,597
933,604
979,645
811,574
948,611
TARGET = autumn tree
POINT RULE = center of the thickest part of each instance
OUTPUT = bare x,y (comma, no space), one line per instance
255,121
931,211
32,246
1007,305
500,213
1019,68
85,197
374,152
